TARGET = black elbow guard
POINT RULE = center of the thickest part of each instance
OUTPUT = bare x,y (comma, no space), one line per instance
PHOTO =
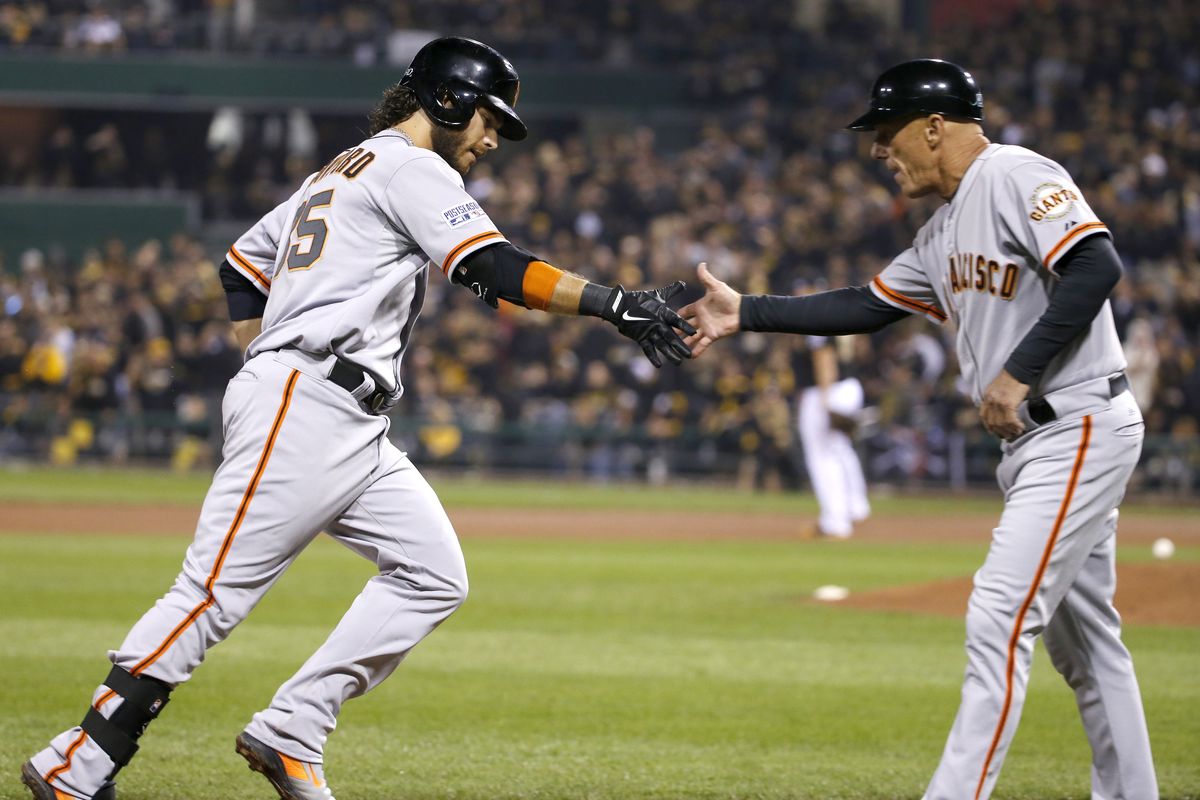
495,273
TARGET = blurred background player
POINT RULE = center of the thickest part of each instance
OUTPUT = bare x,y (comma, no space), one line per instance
828,416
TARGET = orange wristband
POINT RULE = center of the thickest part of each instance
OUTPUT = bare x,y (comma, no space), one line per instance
539,283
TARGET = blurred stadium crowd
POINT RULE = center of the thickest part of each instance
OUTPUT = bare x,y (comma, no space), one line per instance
125,355
672,32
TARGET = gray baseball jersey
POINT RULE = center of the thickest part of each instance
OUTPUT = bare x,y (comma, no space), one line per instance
344,260
986,261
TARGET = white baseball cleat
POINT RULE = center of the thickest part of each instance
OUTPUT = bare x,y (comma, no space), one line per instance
293,779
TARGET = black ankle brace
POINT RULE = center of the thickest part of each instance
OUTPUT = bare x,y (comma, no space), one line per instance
117,735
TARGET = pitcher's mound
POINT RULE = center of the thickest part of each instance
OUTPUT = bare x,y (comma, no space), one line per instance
1147,594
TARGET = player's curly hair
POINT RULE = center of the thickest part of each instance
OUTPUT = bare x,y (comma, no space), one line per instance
398,104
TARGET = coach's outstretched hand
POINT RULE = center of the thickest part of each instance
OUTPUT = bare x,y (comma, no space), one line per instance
645,317
716,314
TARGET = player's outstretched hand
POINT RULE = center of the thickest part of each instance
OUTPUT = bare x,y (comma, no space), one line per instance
716,314
645,317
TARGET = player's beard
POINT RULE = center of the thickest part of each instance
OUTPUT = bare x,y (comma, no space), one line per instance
452,146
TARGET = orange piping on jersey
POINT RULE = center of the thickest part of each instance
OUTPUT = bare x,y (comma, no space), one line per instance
908,302
538,284
247,496
246,265
1074,232
463,245
1037,579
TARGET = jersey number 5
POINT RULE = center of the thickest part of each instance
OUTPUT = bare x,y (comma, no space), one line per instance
309,232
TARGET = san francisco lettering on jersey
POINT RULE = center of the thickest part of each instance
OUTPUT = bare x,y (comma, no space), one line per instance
983,274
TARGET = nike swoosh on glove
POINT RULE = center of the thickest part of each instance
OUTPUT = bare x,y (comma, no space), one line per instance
645,317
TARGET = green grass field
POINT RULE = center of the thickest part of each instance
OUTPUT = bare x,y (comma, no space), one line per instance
164,487
577,669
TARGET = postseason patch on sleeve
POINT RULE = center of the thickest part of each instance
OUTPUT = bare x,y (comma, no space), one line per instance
457,216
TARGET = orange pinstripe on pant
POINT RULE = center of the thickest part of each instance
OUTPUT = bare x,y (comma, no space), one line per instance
1063,508
209,599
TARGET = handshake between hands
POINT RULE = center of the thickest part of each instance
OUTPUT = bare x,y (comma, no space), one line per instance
645,317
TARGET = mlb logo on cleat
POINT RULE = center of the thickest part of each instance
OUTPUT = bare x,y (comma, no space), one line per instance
456,216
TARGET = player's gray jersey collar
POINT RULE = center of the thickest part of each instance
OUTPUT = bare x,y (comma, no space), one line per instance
392,133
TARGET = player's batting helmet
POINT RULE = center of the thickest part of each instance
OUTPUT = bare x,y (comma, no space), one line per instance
451,75
924,86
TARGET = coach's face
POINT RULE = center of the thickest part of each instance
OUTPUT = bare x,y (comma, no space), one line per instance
462,149
908,146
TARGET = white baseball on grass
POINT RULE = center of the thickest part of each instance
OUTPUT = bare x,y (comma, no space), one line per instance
831,593
1163,548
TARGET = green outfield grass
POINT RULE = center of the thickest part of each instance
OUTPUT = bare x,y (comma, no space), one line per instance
86,485
608,670
83,485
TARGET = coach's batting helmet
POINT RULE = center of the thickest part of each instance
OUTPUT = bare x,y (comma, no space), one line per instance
924,86
451,75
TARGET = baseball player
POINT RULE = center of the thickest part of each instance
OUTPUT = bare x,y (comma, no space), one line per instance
334,278
1020,264
826,416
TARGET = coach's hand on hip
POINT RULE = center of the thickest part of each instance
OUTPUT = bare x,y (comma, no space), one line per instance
998,410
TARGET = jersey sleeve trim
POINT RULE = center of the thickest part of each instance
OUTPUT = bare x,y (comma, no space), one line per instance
468,246
1073,234
890,295
252,273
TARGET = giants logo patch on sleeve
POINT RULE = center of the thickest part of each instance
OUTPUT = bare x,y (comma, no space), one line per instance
1052,201
457,216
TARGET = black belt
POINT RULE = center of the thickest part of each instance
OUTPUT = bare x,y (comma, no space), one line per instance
1041,412
350,377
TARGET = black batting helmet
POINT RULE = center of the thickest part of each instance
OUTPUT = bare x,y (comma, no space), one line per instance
924,86
451,75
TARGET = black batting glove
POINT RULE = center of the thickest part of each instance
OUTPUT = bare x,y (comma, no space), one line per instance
645,317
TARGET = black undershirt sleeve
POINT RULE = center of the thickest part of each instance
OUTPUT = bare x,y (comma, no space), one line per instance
1088,273
244,299
834,313
495,273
